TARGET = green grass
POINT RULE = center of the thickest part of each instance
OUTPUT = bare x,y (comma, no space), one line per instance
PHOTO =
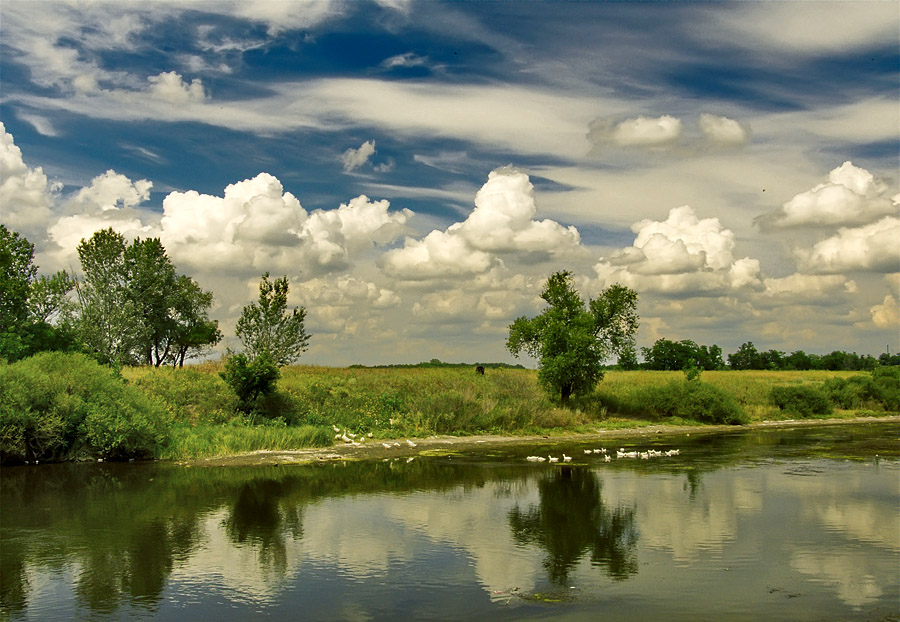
418,402
211,441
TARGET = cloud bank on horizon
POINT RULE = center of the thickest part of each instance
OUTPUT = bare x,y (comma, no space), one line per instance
688,151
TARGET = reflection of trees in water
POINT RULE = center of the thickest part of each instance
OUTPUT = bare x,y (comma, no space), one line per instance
125,527
261,517
571,520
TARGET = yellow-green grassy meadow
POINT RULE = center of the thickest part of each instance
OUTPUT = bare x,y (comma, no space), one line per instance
417,402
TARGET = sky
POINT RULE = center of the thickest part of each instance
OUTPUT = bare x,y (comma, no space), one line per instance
419,169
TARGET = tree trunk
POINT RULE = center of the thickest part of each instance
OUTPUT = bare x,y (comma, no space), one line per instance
564,394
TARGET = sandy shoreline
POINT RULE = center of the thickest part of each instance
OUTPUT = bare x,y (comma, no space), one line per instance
374,450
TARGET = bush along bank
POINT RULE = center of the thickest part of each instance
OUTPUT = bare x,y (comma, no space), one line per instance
56,406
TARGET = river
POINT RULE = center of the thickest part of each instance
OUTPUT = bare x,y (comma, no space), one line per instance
774,524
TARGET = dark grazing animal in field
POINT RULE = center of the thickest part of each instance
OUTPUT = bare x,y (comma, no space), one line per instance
479,370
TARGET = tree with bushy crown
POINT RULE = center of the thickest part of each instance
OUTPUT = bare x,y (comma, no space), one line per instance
266,327
109,322
16,274
570,340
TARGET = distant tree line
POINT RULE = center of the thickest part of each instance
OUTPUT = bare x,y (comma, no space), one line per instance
437,363
666,354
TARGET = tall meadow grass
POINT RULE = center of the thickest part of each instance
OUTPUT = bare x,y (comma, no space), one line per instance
381,403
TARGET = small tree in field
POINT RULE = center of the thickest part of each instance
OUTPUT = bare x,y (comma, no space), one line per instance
266,327
571,340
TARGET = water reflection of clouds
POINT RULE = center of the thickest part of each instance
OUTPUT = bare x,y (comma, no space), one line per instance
851,505
850,573
364,535
849,502
686,522
360,537
744,515
243,571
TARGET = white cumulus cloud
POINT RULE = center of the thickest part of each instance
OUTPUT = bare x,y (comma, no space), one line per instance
111,200
501,223
680,255
439,254
800,288
722,131
871,248
257,226
850,196
110,191
886,314
637,132
503,219
26,196
171,87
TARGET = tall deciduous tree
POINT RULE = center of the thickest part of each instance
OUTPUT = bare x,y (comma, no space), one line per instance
571,340
17,271
747,357
194,332
135,308
108,324
266,326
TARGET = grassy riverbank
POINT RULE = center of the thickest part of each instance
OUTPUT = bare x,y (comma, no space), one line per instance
58,406
419,402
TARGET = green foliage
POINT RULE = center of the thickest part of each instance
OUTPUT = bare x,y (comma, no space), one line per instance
251,380
58,406
416,402
693,399
691,373
16,256
878,391
209,441
266,327
108,324
133,308
191,396
677,355
748,357
802,400
33,311
571,341
16,275
193,332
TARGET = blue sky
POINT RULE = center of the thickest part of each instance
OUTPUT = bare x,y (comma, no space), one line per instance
418,169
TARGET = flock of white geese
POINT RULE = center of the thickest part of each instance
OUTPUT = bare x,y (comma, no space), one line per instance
351,439
357,440
607,457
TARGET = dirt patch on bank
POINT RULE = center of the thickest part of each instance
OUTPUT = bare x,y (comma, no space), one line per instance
376,450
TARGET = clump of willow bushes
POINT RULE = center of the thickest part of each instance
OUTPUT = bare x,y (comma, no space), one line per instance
686,399
693,399
878,391
57,406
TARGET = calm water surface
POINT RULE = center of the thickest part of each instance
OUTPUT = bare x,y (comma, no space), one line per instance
800,524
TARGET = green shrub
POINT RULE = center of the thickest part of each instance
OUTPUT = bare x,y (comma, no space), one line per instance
56,405
192,396
692,399
802,400
250,380
121,425
879,390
